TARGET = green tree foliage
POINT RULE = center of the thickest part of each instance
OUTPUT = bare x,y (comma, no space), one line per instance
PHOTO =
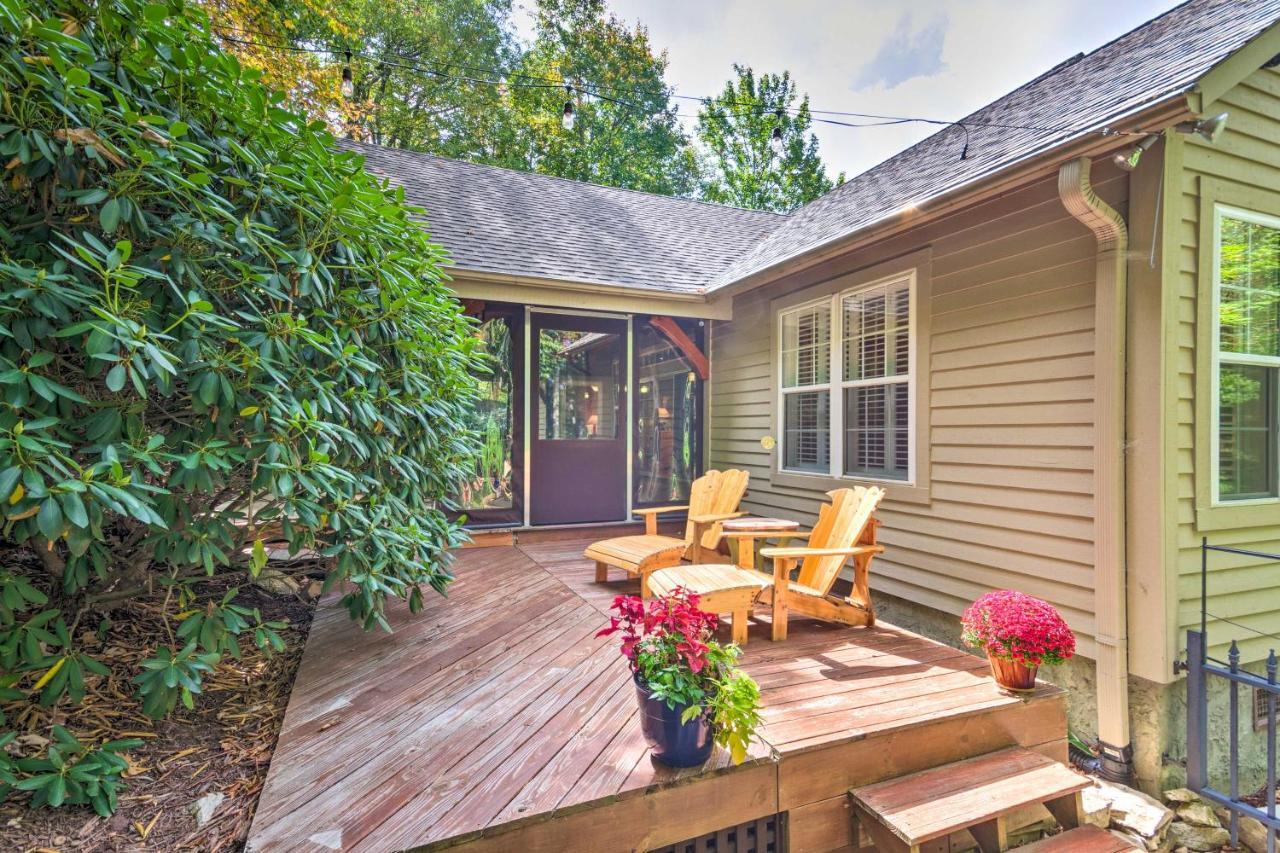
629,136
740,164
211,323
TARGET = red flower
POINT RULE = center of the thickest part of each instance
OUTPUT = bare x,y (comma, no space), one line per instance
1013,625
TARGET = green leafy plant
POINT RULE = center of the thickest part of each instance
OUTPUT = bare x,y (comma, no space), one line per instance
71,773
672,652
213,324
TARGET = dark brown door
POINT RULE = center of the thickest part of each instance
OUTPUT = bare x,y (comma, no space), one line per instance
578,443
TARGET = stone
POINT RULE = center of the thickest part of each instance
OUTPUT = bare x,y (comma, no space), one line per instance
1097,807
1253,834
1199,814
1134,811
1129,838
276,582
1178,796
204,807
1201,838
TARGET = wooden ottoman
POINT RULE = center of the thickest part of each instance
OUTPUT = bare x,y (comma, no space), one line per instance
722,589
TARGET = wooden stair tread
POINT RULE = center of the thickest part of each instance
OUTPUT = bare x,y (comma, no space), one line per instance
1086,839
934,803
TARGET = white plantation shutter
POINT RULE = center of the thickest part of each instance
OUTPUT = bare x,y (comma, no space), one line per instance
846,388
877,386
806,377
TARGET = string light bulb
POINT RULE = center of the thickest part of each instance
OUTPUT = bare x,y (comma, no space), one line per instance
567,117
348,84
776,137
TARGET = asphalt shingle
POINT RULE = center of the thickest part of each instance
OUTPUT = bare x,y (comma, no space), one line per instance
519,223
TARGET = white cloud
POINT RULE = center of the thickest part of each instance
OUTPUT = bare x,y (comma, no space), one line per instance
988,47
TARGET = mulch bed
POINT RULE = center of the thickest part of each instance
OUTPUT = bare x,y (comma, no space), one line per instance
222,746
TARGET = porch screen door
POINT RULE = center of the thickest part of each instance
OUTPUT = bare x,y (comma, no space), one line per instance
578,442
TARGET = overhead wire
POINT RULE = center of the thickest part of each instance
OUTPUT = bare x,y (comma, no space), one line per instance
520,79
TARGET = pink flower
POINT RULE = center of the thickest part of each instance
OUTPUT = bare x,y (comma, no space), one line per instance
1013,625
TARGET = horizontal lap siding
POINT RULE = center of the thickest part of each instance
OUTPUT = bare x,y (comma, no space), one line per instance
1241,589
1011,404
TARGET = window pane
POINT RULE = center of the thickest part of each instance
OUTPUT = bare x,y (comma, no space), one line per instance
1247,435
877,333
1249,303
667,418
807,431
876,420
806,346
489,486
580,374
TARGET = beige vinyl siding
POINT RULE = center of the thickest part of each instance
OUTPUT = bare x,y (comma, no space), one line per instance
1241,170
1010,375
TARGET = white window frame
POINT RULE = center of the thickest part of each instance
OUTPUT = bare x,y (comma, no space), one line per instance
836,384
1217,357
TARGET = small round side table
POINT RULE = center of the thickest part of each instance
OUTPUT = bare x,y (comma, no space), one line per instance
745,531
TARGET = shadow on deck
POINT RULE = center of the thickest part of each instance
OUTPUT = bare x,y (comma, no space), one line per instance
496,720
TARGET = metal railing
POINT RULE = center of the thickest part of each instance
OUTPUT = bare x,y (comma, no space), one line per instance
1200,668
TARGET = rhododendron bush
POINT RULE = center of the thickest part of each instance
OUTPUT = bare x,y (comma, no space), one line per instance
1012,625
673,653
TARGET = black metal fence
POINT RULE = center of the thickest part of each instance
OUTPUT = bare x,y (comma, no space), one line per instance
1201,667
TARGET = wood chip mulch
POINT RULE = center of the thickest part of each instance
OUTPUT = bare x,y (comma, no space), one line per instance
223,746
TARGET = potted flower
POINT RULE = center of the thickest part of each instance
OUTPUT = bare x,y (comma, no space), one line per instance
1019,633
690,692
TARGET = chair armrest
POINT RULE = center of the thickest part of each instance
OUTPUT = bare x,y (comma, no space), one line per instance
657,510
797,553
712,518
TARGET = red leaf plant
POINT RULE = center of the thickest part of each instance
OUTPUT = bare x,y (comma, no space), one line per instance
1011,625
673,623
675,657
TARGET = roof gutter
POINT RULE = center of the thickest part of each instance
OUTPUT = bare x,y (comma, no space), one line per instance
1109,582
1043,164
554,292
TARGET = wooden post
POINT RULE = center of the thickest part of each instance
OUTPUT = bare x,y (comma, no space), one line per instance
781,575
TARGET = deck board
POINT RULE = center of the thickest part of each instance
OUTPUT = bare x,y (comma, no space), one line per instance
497,706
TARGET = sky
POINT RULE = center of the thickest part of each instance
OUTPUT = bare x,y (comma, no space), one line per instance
930,58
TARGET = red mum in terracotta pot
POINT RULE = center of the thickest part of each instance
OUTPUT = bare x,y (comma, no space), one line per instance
1019,633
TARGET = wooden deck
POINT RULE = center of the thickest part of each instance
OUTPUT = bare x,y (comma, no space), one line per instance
496,720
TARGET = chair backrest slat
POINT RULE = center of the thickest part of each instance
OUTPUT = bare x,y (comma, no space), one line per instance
715,492
841,524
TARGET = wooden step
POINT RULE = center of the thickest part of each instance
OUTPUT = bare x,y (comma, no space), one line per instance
1085,839
918,812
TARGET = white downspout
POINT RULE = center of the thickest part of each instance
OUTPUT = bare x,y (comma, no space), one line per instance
1110,594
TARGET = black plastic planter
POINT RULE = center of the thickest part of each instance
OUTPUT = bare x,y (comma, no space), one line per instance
671,741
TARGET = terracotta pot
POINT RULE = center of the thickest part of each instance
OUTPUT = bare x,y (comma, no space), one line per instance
1012,675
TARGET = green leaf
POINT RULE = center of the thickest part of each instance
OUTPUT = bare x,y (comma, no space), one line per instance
116,377
258,559
49,519
109,215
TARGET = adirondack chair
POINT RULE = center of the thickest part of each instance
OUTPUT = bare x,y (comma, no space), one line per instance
846,528
713,498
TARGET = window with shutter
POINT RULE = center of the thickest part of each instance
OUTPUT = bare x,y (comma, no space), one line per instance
846,375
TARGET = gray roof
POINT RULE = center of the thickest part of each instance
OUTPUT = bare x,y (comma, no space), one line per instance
520,223
1163,57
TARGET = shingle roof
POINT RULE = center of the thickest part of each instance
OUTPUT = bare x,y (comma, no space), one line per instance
519,223
1161,58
